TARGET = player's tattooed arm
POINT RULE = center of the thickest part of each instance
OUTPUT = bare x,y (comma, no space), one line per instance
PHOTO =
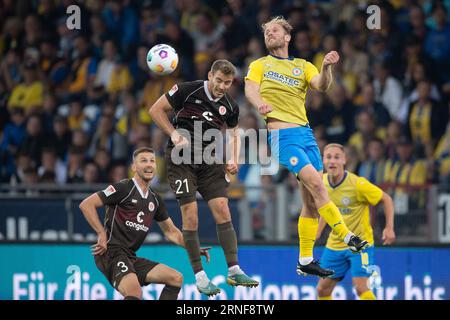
89,209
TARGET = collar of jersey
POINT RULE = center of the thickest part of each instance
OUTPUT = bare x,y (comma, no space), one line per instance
208,94
339,183
140,190
280,58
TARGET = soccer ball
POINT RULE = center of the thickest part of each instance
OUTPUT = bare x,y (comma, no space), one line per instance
162,59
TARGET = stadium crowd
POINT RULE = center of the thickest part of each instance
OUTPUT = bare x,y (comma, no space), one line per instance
73,103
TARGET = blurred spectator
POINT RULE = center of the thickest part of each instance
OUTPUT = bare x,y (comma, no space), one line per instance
107,65
102,159
207,33
393,133
405,169
106,138
29,94
367,129
235,37
302,46
35,138
122,23
426,120
75,162
60,137
340,123
151,23
139,69
10,69
91,173
80,139
329,44
118,173
368,103
76,119
13,136
442,158
51,164
132,116
388,90
354,61
21,161
437,42
417,22
83,68
373,167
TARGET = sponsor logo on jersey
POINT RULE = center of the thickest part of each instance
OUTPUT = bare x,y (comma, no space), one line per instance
222,110
173,90
297,71
136,226
138,218
151,206
207,115
109,191
273,75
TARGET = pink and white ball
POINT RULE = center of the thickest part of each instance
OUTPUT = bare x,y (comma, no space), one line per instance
162,59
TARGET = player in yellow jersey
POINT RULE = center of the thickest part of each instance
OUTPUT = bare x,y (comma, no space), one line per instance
276,86
353,195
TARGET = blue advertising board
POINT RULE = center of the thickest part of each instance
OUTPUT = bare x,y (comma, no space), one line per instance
50,220
43,271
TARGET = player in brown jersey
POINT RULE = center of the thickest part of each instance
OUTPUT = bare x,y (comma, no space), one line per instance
131,206
201,107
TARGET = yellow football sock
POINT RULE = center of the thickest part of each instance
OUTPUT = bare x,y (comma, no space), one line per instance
325,298
368,295
307,230
333,217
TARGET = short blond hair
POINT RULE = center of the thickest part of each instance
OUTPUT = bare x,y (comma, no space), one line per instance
334,145
278,20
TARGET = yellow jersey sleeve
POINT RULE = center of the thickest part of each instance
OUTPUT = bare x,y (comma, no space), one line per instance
367,191
255,71
310,71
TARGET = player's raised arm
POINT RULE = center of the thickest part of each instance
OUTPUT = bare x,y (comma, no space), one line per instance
388,236
158,111
89,208
323,80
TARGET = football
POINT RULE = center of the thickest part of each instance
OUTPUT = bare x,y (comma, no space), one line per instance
162,59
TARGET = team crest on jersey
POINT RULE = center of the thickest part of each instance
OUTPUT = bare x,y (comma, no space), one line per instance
109,191
222,110
173,90
345,201
293,161
151,206
296,72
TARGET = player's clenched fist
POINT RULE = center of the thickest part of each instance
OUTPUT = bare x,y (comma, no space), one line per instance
231,168
331,58
264,109
178,140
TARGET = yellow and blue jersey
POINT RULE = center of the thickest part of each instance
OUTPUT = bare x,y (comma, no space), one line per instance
353,196
283,85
